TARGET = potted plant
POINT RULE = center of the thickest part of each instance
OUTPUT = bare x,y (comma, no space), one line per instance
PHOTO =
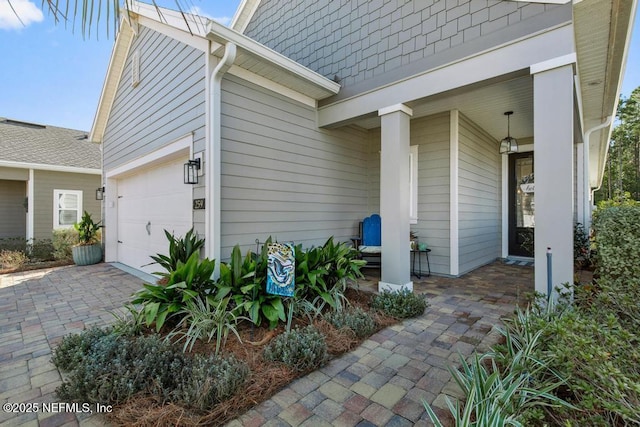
88,250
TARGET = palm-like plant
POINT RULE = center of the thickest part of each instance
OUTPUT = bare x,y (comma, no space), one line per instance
90,13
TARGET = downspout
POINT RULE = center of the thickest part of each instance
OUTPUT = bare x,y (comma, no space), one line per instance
587,186
213,156
31,202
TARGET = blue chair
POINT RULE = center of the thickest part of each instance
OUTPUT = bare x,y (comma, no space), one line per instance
369,243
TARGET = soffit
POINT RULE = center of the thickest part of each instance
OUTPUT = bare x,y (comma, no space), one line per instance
602,34
484,105
267,63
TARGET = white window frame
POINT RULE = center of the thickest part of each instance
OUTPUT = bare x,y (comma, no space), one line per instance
56,215
413,184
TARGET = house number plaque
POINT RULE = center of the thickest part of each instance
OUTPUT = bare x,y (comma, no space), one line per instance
198,204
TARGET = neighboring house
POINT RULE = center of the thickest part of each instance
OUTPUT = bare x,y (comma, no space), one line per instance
310,116
48,176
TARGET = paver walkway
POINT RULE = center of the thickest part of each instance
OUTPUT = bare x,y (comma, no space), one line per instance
383,382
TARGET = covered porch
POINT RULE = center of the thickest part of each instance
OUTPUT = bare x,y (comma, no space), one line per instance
461,197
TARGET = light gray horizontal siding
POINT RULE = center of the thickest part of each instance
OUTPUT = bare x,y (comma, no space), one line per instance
479,196
432,135
365,40
284,177
47,181
168,103
13,219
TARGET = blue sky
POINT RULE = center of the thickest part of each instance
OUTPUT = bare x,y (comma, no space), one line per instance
52,76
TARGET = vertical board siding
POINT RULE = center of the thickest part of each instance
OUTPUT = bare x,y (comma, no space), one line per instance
284,177
362,40
168,103
432,135
479,189
13,215
47,181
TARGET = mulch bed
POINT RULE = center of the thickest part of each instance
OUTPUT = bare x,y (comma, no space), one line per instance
265,380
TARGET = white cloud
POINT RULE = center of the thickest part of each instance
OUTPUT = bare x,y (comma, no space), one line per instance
224,20
27,12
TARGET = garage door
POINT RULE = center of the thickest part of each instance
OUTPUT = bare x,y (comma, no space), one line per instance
149,202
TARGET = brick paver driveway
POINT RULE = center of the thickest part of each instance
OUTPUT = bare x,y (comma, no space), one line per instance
37,308
383,382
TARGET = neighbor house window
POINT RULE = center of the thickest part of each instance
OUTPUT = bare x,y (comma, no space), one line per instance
67,208
413,183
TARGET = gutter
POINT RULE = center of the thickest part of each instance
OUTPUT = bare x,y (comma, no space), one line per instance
213,153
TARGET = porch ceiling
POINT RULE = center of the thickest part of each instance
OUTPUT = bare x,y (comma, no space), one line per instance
484,105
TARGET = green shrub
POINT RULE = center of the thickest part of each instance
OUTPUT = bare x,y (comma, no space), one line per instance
322,273
401,304
208,380
41,250
188,280
63,241
244,279
12,258
180,250
205,318
115,368
108,368
356,319
74,347
13,244
617,238
302,350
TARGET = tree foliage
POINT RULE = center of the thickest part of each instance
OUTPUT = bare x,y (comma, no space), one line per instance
89,14
622,173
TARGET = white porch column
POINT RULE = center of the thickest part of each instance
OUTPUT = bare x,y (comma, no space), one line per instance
394,197
553,167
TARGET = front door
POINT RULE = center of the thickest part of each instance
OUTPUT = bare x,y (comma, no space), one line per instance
521,204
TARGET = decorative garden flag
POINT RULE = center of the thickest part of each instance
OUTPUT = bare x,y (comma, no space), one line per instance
281,269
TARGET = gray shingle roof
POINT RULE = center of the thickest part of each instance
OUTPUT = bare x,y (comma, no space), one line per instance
48,145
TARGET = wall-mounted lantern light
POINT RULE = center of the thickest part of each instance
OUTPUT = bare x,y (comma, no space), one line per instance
191,169
100,193
508,145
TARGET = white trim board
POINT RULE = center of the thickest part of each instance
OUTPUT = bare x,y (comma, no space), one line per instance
53,168
160,155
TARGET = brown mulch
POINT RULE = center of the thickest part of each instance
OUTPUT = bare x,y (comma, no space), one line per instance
265,380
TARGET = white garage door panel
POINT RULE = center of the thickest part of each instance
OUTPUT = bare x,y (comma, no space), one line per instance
149,202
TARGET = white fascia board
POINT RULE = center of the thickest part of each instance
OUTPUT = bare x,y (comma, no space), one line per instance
187,22
221,34
521,53
53,168
243,15
272,86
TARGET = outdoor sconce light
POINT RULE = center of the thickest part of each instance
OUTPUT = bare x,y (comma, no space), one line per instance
191,169
100,193
508,145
